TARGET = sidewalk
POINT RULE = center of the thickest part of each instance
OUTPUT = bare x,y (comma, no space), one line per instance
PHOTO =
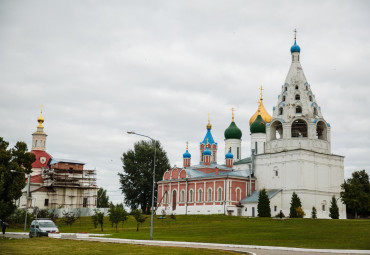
251,249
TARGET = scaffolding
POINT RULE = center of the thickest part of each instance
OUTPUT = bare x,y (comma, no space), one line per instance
73,188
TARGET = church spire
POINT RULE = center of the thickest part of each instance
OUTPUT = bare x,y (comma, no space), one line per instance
208,142
297,116
39,137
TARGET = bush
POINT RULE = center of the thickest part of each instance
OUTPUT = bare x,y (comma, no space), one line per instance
263,206
53,215
314,213
299,212
43,213
334,210
19,215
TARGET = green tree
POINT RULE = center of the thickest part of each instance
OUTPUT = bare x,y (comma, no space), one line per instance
263,206
94,219
356,193
334,210
314,213
103,199
137,179
139,217
68,218
117,214
98,218
11,184
294,204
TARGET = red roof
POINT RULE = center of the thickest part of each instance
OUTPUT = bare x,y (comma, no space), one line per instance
36,179
40,154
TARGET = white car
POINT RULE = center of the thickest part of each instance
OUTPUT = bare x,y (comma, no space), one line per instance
42,227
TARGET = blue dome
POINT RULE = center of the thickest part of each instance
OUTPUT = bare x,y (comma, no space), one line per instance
295,48
186,154
229,155
207,152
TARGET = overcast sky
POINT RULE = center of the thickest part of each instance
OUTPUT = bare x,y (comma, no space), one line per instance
101,68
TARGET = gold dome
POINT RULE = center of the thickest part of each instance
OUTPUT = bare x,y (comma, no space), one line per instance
40,119
209,126
261,111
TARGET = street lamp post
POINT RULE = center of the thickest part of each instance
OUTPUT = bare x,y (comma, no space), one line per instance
152,211
28,193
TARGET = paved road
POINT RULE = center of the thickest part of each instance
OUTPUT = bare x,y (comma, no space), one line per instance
240,248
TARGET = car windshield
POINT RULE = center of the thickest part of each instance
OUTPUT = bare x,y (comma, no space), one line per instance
47,224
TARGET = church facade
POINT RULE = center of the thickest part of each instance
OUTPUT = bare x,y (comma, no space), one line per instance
291,152
57,183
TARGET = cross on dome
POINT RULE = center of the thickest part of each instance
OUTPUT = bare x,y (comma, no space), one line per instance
261,92
209,126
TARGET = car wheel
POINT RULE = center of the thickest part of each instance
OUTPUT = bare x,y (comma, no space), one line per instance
30,235
38,234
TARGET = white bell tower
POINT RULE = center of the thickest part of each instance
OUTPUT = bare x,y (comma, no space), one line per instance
39,137
297,122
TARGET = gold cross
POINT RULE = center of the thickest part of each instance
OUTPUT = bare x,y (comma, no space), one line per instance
187,145
209,118
295,33
232,110
207,143
261,91
229,147
41,108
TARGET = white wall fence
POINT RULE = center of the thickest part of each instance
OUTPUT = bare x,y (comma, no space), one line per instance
84,212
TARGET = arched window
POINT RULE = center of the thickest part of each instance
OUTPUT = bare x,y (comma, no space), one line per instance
238,194
36,143
297,97
283,98
182,196
321,131
276,130
200,195
296,87
166,197
174,200
191,195
310,98
281,111
299,128
315,111
286,88
298,109
219,194
209,195
306,87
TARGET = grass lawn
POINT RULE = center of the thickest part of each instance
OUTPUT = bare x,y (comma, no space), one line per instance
304,233
44,245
